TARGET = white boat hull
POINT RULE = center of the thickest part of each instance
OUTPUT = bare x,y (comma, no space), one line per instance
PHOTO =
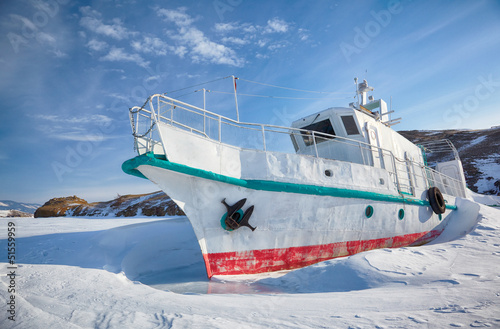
293,229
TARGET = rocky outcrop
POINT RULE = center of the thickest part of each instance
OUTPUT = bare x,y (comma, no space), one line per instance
479,151
153,204
57,207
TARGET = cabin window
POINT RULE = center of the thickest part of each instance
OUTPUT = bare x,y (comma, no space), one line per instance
324,126
350,125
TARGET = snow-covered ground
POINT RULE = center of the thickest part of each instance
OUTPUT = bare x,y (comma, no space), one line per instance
149,273
489,169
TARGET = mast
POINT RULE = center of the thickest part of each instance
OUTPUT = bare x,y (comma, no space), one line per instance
236,99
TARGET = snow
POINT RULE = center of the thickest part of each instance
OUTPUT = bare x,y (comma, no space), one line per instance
149,273
489,169
4,213
29,206
476,141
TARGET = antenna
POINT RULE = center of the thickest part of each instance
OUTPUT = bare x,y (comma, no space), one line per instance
357,90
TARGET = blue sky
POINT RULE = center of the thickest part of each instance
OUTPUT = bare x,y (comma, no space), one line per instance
69,71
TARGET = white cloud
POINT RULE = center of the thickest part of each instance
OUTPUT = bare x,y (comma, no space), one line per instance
226,27
79,137
180,51
153,78
247,28
202,49
193,41
276,25
74,128
186,75
45,38
59,54
151,45
179,16
119,55
233,26
95,118
261,36
236,41
303,35
92,21
97,45
275,46
261,43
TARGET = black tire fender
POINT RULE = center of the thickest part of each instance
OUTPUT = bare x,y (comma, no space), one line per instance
436,200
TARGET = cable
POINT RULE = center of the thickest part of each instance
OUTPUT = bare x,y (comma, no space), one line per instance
265,96
169,92
307,91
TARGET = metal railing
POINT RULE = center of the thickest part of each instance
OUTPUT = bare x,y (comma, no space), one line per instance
407,175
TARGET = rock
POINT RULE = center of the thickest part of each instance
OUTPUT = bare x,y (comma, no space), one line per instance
152,204
58,207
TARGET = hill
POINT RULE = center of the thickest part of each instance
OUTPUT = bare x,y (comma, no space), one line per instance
152,204
9,208
479,151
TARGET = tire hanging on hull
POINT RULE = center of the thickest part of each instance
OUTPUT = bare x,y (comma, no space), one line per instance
436,200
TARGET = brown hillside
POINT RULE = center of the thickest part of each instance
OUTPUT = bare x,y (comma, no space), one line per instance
152,204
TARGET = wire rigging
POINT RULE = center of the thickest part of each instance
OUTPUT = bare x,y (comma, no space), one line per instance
266,96
199,84
287,88
260,83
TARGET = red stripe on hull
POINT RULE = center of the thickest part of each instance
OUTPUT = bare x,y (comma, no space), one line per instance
270,260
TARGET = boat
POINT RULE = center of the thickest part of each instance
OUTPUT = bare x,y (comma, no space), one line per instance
265,198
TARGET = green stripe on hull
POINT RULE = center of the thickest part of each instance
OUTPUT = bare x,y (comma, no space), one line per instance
130,167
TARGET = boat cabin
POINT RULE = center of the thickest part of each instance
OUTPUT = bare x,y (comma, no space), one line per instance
360,134
327,126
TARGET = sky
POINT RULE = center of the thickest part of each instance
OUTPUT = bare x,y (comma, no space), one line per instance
70,70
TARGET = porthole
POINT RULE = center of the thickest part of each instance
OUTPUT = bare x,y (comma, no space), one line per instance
328,173
369,211
382,182
401,214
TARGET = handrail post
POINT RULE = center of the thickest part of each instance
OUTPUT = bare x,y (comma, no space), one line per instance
220,128
395,172
362,153
172,113
315,146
